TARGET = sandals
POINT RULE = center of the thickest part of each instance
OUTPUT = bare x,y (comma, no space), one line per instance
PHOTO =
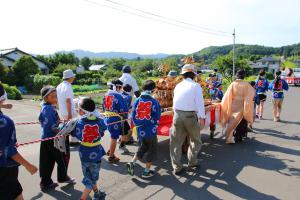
113,159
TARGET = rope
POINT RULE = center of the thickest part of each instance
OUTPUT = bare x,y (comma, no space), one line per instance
58,136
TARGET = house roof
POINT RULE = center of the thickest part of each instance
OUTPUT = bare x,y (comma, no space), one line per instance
96,67
4,52
6,57
269,59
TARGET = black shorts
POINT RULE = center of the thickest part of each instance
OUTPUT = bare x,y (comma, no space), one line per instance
262,97
10,188
147,148
125,128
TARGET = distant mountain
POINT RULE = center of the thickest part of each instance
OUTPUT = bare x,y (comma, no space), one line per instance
209,54
81,53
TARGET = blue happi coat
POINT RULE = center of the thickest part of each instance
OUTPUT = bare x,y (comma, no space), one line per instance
146,113
49,120
115,105
278,91
8,141
261,85
89,132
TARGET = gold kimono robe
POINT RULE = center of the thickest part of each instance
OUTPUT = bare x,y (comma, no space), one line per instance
237,103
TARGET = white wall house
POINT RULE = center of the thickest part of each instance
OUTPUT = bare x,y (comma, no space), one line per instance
80,69
97,67
270,64
9,56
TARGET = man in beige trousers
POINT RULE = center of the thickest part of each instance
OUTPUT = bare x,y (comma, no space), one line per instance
189,119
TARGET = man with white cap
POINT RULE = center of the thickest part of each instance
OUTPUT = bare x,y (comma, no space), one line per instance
65,98
189,119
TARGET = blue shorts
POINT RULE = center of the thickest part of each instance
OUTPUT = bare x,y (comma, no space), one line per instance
115,130
90,174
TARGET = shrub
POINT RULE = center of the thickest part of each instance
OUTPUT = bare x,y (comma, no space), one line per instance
12,92
24,67
269,76
41,80
62,67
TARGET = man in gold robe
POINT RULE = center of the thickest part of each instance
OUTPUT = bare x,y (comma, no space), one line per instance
237,104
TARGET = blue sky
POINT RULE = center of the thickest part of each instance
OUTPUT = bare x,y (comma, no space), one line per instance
47,26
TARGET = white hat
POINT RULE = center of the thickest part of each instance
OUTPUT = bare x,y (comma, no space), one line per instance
187,68
68,74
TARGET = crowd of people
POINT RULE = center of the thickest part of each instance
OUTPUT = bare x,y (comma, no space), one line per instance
240,105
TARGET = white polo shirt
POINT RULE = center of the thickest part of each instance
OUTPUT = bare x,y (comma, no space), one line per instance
65,91
188,97
128,79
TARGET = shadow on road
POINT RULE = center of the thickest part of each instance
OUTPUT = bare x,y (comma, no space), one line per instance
220,167
279,134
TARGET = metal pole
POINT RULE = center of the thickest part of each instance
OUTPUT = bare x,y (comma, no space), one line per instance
233,56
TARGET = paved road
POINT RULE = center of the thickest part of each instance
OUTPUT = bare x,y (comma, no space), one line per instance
266,167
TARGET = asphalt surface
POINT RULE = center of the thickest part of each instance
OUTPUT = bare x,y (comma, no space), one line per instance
266,167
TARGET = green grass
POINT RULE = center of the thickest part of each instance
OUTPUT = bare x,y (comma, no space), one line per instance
289,64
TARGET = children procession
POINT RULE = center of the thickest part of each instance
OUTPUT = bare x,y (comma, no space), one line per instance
125,112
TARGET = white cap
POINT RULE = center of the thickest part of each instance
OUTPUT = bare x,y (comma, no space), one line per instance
68,74
187,68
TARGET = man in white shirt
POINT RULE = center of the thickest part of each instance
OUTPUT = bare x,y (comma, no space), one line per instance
189,119
127,78
65,98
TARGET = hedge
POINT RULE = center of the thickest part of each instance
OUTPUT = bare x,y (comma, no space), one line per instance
12,92
40,81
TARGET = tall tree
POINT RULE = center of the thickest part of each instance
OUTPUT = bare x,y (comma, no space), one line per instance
23,68
85,62
224,65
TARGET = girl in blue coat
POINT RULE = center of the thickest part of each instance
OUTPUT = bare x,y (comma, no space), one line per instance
277,87
116,109
261,86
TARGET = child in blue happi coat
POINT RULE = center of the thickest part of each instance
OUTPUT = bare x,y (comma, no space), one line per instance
49,155
146,113
116,109
277,87
261,86
126,136
218,93
10,159
89,130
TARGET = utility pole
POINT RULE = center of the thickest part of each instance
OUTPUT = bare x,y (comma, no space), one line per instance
233,56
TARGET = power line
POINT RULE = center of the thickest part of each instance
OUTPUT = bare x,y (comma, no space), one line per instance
166,18
155,19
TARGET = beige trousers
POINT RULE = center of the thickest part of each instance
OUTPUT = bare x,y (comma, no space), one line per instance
185,125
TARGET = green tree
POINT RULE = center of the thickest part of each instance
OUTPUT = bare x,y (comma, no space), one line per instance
117,63
224,65
85,62
62,67
2,71
24,67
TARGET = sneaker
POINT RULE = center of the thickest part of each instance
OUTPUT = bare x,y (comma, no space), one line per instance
148,174
178,172
69,181
49,187
113,159
130,168
99,195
